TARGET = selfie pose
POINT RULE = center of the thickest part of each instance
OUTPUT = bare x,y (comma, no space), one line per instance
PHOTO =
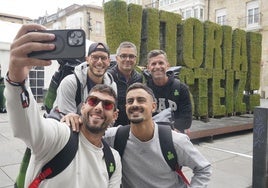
152,154
47,137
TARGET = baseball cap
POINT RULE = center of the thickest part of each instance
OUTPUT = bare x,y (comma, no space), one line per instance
94,47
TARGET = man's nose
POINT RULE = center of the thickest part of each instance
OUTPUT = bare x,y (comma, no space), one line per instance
99,105
135,102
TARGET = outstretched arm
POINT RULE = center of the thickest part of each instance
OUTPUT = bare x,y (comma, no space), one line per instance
23,111
24,43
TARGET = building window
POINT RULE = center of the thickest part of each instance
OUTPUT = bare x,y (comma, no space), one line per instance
221,20
74,21
183,14
163,2
253,14
221,16
201,14
98,28
134,2
36,78
188,13
198,13
154,3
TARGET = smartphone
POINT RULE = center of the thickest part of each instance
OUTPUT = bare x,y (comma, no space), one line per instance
70,44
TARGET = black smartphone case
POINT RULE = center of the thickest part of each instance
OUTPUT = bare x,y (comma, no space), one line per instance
70,44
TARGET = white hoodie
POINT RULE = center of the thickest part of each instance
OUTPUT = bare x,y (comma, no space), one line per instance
46,137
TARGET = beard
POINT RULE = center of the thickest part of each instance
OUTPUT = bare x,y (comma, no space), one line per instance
96,72
94,129
135,119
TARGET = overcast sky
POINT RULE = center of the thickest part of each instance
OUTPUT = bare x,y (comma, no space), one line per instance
32,9
35,8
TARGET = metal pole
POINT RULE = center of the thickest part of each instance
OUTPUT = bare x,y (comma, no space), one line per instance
260,148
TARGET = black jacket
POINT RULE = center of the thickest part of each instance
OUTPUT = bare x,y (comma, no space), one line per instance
122,86
175,95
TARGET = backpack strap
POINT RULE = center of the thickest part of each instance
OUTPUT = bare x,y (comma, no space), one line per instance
165,139
121,138
168,150
78,99
59,162
23,168
109,158
167,146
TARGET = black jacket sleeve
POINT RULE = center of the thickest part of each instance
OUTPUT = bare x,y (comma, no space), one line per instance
183,115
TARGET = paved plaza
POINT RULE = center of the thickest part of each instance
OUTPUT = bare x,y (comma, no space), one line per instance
230,155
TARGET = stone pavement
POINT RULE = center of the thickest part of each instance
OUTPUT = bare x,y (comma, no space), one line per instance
230,155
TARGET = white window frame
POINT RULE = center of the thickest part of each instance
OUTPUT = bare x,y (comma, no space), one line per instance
163,2
36,78
201,14
75,21
198,12
253,20
98,28
221,16
154,3
188,13
134,2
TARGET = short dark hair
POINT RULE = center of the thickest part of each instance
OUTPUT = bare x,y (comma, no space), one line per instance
139,85
103,88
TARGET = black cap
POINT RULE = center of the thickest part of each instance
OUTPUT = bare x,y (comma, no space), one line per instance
93,48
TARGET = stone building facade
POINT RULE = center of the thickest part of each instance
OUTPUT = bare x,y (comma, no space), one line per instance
249,15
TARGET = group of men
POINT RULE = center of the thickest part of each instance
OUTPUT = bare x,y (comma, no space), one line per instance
111,98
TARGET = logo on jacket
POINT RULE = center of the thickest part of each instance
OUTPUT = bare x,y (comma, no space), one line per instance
176,93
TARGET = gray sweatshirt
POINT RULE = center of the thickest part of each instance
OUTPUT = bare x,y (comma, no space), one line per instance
143,164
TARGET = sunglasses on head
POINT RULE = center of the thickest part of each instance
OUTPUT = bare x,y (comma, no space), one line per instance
106,104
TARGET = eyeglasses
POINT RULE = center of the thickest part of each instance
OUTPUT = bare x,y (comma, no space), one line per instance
96,58
106,104
125,56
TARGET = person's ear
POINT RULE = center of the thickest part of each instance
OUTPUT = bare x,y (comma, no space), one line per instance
168,65
117,58
115,114
154,107
83,107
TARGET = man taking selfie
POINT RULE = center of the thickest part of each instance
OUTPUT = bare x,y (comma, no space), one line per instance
47,137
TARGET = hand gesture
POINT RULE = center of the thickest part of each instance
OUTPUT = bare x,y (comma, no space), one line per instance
24,43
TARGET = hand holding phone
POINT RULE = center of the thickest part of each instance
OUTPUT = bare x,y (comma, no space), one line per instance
70,44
